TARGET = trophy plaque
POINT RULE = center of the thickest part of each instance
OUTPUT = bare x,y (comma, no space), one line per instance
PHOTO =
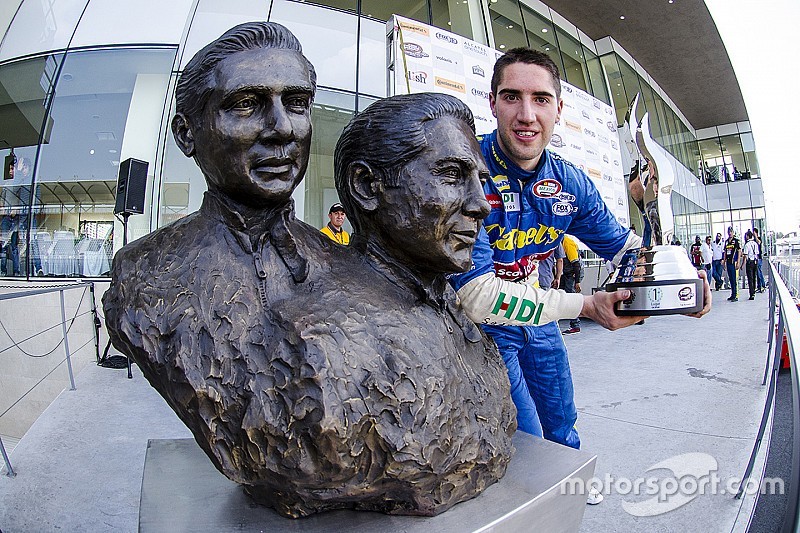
661,278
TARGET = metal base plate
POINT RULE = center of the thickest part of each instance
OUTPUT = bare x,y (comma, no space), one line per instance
182,491
654,298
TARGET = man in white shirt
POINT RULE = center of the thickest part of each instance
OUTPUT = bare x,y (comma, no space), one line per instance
751,265
707,254
717,255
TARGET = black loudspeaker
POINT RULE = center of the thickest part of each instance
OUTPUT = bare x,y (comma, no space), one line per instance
131,186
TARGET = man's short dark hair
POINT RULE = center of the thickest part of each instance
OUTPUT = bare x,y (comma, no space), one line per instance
529,57
387,135
194,86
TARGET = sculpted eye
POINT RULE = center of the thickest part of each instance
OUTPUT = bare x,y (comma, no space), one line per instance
298,103
247,103
450,174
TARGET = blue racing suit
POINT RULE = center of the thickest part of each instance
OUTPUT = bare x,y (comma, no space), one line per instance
531,212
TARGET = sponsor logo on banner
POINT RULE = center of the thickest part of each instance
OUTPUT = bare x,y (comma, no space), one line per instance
415,28
599,120
546,188
611,126
444,59
418,76
602,138
596,103
619,202
501,182
589,151
563,208
574,126
450,84
446,38
583,96
567,88
605,158
481,118
585,115
590,133
494,200
480,93
556,141
414,50
577,147
594,173
607,177
478,71
511,201
475,49
568,105
608,111
614,145
616,163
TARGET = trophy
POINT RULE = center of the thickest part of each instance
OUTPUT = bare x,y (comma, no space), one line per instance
661,277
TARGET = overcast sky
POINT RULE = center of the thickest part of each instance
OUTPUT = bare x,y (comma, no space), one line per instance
763,42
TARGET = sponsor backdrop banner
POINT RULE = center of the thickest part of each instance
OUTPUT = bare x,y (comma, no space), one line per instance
429,59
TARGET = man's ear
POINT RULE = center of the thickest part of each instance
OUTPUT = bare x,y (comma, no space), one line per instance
364,185
182,131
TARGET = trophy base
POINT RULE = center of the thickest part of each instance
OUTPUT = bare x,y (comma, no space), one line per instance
654,298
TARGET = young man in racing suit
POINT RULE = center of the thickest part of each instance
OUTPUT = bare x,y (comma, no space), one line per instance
537,197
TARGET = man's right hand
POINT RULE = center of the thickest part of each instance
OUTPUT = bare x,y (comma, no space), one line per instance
600,308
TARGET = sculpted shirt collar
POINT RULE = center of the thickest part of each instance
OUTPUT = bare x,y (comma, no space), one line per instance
438,294
252,229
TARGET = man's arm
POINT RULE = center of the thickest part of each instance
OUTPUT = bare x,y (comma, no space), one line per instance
488,299
559,272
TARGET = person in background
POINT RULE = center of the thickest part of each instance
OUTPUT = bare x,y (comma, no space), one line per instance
695,254
333,230
717,257
733,262
759,272
571,278
707,254
750,253
551,268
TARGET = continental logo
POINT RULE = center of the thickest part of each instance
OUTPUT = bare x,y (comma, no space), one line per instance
414,50
501,182
444,83
414,28
546,188
574,126
514,238
446,38
594,173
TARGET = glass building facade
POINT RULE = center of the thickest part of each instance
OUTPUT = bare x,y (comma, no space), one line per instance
86,84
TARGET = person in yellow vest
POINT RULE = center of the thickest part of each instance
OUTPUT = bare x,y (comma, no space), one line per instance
571,277
334,229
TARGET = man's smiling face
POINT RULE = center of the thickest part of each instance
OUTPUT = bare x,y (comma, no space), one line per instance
527,109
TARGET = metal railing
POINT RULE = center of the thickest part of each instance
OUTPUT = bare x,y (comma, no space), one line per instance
783,309
64,340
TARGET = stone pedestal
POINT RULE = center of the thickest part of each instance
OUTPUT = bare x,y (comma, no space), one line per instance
182,491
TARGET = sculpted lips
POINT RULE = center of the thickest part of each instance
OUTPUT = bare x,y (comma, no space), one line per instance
465,235
273,165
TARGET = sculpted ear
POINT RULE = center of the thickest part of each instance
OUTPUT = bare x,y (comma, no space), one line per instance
364,185
182,131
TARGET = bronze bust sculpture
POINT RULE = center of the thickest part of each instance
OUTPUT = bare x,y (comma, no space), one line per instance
318,376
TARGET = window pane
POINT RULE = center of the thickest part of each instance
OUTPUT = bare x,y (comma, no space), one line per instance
572,57
107,108
507,27
630,80
382,10
131,22
41,26
344,5
462,17
619,97
328,38
332,111
596,77
372,58
25,88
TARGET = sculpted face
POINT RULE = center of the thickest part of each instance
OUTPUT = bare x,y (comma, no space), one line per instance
431,220
254,138
527,109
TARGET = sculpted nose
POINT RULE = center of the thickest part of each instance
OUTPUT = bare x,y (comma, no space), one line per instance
278,124
475,204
